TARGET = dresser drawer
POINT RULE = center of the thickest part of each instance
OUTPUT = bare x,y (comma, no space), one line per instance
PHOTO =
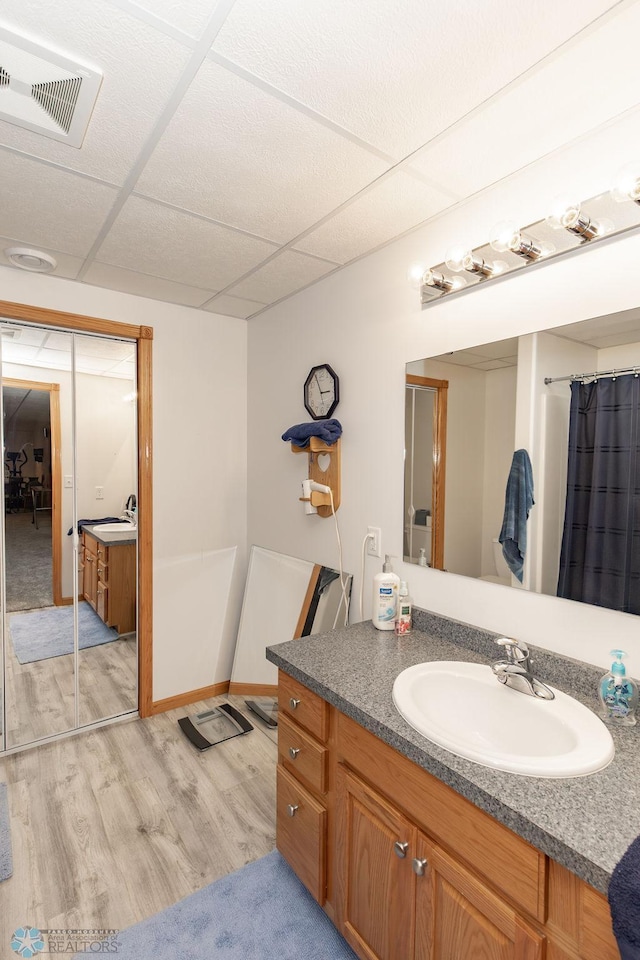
301,834
302,755
306,708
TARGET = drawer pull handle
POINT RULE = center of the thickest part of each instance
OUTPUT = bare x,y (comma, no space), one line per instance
418,866
400,849
293,752
293,703
291,809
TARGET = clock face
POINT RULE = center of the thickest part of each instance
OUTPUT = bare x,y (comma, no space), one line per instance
321,392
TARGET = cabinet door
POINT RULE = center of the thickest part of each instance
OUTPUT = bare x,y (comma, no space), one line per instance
457,917
375,882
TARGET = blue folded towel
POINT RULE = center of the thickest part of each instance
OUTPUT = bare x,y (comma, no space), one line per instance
517,504
624,901
300,433
86,523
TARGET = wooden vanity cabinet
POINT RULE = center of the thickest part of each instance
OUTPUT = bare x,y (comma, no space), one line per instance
109,581
410,870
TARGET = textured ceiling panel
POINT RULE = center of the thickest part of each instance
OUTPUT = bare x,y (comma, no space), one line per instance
142,285
140,66
150,238
50,207
399,202
234,306
286,273
234,153
190,16
542,112
396,73
67,266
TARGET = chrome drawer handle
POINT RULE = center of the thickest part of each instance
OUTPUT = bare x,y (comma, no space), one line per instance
418,866
291,809
293,752
400,849
293,703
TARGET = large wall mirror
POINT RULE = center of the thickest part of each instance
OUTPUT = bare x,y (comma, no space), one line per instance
570,397
69,554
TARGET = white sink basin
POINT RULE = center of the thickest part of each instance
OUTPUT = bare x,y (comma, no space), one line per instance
464,708
114,527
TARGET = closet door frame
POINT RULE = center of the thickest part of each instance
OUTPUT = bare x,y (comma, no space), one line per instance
78,323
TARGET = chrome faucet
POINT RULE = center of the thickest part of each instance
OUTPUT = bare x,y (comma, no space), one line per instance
515,670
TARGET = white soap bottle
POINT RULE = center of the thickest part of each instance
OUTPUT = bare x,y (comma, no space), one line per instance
385,597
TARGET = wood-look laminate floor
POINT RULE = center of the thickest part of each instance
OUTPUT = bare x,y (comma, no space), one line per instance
111,826
40,695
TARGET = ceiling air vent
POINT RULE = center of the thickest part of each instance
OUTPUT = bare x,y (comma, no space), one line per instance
44,91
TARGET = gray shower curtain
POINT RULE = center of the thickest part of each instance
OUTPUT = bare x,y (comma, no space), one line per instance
600,556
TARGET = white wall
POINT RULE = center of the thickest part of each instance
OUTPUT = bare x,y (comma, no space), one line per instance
199,457
499,431
366,321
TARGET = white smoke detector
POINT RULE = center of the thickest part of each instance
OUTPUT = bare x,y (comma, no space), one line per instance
44,91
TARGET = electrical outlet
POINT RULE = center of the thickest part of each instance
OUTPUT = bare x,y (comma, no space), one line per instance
99,493
374,543
68,482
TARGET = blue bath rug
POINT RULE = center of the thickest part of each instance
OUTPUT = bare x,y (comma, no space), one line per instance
261,912
6,860
41,634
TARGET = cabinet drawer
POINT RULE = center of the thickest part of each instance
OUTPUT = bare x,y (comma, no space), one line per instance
301,834
102,552
302,755
306,708
90,545
103,571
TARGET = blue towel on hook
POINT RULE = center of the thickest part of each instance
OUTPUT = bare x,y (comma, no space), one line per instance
624,901
300,433
517,504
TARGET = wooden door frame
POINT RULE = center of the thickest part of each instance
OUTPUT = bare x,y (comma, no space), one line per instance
441,388
56,478
143,336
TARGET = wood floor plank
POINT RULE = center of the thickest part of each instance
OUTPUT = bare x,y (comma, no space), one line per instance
113,825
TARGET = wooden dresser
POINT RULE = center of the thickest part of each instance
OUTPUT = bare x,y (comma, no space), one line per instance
407,868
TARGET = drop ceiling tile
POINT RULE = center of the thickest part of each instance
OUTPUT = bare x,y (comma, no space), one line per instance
67,266
286,273
18,352
541,113
140,65
390,207
239,155
108,350
51,207
396,74
143,285
191,17
234,306
150,238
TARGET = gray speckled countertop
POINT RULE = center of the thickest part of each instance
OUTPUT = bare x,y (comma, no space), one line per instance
585,823
110,539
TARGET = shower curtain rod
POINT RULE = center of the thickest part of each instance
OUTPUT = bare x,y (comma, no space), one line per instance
618,372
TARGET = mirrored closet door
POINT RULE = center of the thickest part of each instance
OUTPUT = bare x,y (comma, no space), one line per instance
69,531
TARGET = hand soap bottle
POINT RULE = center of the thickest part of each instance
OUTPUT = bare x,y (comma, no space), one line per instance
403,617
618,693
385,597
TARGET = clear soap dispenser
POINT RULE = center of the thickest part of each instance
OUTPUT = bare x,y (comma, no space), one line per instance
618,693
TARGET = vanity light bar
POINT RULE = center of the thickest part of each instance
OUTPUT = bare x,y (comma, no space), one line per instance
567,229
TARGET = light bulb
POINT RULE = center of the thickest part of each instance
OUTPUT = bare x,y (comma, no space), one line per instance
415,274
459,258
565,212
504,236
626,185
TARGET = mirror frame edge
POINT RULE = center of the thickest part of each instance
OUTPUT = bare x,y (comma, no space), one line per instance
143,335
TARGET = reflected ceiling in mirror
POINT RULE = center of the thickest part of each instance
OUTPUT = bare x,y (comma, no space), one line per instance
516,394
569,228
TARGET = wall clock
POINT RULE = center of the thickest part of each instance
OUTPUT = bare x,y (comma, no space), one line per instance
321,391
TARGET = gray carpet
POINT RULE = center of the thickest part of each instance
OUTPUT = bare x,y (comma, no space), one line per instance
6,860
41,634
261,912
29,562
